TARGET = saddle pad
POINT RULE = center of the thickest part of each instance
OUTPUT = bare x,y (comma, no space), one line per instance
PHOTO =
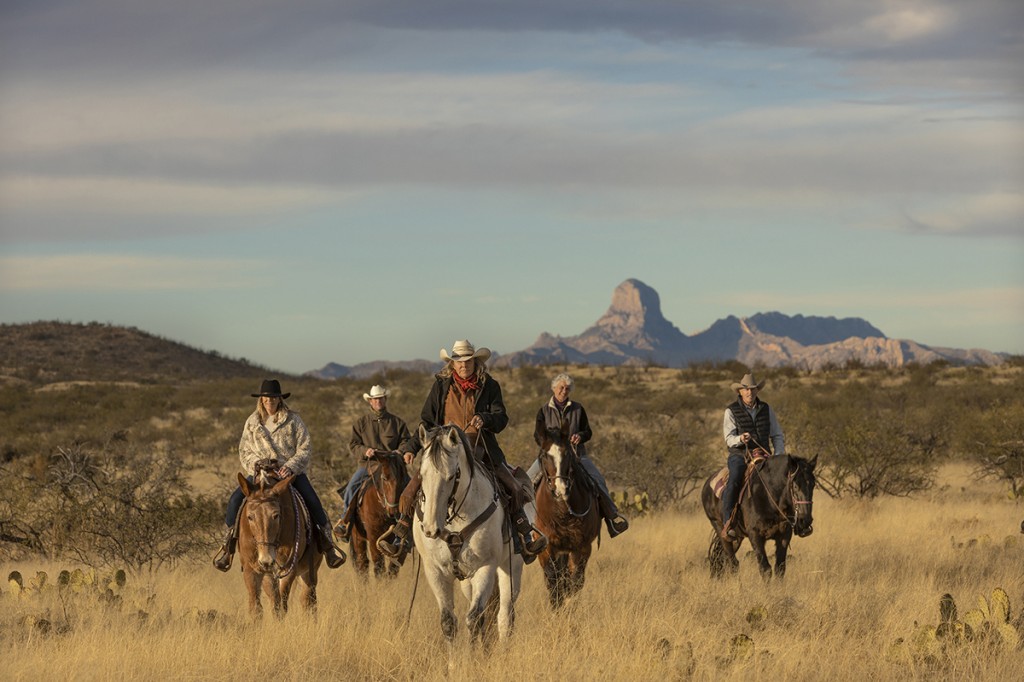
719,481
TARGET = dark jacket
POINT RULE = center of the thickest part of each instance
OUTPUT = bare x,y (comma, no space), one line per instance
489,405
549,418
386,432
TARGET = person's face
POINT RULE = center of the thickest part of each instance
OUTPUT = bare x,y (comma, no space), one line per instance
561,391
748,395
378,404
465,368
270,404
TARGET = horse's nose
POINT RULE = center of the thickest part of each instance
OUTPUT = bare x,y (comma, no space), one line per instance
430,532
265,565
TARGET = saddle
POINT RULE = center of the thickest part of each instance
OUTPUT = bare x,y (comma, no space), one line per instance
718,483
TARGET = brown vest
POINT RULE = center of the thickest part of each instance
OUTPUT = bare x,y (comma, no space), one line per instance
459,409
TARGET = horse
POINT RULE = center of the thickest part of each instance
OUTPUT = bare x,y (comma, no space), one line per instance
377,510
568,514
460,533
775,503
275,543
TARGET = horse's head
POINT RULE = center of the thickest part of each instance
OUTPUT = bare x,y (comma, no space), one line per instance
444,450
556,462
801,482
388,474
263,506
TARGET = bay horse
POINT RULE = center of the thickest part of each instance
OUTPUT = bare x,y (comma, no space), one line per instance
275,543
776,502
568,514
460,533
376,511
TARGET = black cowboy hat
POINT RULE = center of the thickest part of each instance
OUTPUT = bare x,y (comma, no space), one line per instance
270,388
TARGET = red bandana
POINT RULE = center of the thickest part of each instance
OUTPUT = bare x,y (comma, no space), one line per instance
466,385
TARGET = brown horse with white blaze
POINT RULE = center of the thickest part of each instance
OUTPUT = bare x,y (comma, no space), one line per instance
275,544
568,514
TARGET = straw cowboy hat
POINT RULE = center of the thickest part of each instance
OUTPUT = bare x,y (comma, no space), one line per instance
270,388
464,350
748,381
376,391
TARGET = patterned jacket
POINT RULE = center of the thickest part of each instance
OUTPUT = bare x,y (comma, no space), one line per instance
284,437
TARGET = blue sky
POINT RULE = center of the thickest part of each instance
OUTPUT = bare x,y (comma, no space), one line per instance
311,181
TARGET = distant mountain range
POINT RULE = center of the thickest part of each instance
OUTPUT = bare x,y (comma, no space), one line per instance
634,332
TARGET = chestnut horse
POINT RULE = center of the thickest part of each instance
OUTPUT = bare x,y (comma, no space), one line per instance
376,510
567,513
775,503
275,544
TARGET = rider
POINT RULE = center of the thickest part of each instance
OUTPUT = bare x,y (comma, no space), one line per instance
750,425
550,417
378,431
464,394
275,432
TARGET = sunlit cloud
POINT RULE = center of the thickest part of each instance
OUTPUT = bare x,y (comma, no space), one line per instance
117,273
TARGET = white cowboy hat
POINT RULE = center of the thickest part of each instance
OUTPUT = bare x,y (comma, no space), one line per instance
748,381
464,350
376,391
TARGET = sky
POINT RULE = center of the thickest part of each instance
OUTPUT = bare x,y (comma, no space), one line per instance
298,182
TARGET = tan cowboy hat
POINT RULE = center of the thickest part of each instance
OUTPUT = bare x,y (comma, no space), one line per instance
376,391
464,350
748,381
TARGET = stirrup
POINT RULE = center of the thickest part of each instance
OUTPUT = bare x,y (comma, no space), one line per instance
222,561
343,531
616,525
334,557
395,541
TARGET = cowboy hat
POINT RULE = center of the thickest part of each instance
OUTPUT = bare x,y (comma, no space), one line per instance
376,391
748,381
464,350
270,388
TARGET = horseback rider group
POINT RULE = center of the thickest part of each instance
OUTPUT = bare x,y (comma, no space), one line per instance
465,394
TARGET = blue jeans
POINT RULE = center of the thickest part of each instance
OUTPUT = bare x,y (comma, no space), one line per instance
737,467
301,484
352,488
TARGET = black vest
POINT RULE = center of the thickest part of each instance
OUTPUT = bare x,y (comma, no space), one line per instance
760,427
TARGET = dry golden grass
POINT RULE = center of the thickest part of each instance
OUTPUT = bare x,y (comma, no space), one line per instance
649,611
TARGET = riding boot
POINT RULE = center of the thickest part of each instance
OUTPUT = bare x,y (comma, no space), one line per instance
395,542
343,529
332,555
616,522
532,540
222,562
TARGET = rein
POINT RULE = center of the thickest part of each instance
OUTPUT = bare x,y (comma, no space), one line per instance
286,570
570,480
790,483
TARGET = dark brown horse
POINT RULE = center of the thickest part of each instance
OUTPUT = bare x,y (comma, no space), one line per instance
275,545
568,514
376,511
775,503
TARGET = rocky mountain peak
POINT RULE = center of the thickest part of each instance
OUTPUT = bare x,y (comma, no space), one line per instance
635,313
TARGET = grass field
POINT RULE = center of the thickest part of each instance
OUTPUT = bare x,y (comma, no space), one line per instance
871,573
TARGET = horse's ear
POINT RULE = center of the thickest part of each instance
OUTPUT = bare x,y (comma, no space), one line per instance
564,433
281,486
813,462
244,485
451,439
421,433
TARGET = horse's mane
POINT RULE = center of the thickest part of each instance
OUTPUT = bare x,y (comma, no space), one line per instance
437,433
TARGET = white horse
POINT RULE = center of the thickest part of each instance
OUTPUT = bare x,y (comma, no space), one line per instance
459,536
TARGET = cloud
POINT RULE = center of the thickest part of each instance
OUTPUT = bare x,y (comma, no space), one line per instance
994,302
116,273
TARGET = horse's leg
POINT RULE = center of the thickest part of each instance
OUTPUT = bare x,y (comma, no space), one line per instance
578,568
509,579
781,548
252,584
481,585
270,588
757,542
358,544
553,566
381,569
284,587
444,591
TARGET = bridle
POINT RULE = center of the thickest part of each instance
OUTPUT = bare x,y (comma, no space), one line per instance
286,570
795,494
569,480
390,508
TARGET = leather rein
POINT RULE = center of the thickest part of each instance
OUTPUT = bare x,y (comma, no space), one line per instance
569,481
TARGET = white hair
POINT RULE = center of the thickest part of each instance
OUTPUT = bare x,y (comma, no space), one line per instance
562,378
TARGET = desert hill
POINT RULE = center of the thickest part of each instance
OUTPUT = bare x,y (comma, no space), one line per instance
61,351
